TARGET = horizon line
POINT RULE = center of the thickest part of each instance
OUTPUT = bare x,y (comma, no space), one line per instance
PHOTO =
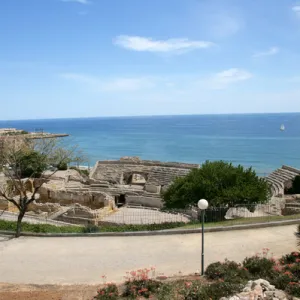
151,116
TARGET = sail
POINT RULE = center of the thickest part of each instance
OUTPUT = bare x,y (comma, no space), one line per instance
282,127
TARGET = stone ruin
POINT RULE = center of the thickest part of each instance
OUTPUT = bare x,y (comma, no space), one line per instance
67,196
71,197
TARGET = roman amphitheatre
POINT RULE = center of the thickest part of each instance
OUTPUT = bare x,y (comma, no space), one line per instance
128,191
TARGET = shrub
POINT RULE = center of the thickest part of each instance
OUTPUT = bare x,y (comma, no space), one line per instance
259,266
109,292
229,271
81,171
293,288
196,290
166,292
218,290
91,229
290,258
281,280
138,284
294,269
63,166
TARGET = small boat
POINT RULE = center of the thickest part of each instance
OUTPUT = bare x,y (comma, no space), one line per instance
282,127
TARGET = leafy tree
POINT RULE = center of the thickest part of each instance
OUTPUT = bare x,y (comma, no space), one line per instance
29,163
219,182
30,160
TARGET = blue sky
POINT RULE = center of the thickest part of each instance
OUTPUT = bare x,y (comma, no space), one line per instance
85,58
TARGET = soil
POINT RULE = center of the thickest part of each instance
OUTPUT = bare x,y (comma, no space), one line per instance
62,292
47,292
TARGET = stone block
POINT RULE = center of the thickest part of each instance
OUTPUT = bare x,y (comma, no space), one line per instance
154,189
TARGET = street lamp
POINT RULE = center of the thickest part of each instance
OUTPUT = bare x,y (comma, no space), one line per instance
203,205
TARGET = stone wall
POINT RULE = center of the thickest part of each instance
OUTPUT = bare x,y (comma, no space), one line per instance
145,201
94,200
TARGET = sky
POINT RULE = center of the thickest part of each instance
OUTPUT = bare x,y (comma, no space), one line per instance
90,58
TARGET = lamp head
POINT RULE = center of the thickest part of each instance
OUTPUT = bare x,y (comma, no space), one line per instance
203,204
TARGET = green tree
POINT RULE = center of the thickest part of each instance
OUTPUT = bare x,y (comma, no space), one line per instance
220,183
29,163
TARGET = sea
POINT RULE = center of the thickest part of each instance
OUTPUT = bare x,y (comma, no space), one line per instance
252,140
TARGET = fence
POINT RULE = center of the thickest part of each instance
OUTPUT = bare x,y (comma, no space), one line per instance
11,216
163,219
192,217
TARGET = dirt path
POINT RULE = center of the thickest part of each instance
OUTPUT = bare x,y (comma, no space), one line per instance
47,292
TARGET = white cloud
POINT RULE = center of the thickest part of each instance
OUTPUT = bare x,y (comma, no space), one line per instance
110,85
78,1
271,51
138,43
225,78
296,9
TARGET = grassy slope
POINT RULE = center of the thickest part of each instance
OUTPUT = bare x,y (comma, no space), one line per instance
45,228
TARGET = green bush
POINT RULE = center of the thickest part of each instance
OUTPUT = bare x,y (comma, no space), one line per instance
229,271
293,288
82,172
196,290
39,228
281,280
141,288
166,292
220,182
62,166
109,292
290,258
91,229
294,269
259,266
46,228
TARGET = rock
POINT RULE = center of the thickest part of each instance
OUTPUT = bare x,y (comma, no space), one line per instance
265,285
280,295
237,212
234,298
259,290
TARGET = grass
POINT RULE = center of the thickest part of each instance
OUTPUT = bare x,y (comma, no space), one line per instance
242,221
46,228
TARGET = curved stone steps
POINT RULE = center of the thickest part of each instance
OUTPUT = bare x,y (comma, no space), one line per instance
276,181
283,175
286,174
291,169
275,186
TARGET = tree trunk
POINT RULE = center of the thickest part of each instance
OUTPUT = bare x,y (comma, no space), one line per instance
19,223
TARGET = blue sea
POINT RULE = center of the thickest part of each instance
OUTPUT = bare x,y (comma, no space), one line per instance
250,139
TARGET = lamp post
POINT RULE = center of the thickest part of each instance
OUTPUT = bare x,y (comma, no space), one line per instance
202,204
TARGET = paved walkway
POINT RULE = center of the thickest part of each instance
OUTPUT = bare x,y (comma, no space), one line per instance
73,260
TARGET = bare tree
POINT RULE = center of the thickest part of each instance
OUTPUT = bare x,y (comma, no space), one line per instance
31,160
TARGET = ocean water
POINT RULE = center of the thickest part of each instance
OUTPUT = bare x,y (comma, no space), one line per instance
251,140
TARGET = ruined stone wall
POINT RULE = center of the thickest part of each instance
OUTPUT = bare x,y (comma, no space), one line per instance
94,200
145,201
